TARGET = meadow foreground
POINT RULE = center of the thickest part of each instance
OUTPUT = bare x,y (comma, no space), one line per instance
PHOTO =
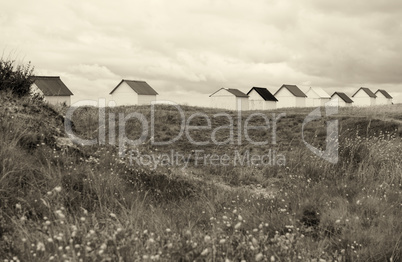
179,201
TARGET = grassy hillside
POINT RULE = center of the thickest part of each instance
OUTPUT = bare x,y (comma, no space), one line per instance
64,202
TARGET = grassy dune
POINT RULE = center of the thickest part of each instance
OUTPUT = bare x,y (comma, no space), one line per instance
85,203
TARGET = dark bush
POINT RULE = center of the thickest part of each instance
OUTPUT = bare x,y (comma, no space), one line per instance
310,217
17,79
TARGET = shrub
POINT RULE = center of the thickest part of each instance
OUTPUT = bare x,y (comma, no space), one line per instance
17,79
311,217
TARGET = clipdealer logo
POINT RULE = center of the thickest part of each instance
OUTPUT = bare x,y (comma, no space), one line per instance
242,129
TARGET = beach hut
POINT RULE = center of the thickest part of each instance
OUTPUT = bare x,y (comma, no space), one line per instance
52,89
383,98
316,96
290,96
364,97
229,98
133,92
261,99
342,99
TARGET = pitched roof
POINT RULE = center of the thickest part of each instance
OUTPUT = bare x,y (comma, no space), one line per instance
320,92
264,93
367,90
343,96
51,86
385,93
235,92
292,89
140,87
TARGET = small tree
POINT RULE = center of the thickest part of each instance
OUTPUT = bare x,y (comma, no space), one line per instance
17,79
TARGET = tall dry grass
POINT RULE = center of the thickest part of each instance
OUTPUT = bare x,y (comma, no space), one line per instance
61,204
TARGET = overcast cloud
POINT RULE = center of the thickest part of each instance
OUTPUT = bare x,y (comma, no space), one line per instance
188,49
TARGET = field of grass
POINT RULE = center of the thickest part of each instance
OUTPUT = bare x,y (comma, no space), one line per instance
63,202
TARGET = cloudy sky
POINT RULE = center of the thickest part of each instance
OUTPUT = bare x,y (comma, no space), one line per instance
188,49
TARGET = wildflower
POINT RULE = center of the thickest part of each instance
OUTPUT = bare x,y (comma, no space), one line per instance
222,241
238,225
272,259
240,218
57,189
18,206
205,252
254,241
40,246
113,215
168,230
82,219
50,240
207,239
60,214
103,246
151,241
259,257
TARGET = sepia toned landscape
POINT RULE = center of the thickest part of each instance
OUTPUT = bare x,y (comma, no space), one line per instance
201,131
